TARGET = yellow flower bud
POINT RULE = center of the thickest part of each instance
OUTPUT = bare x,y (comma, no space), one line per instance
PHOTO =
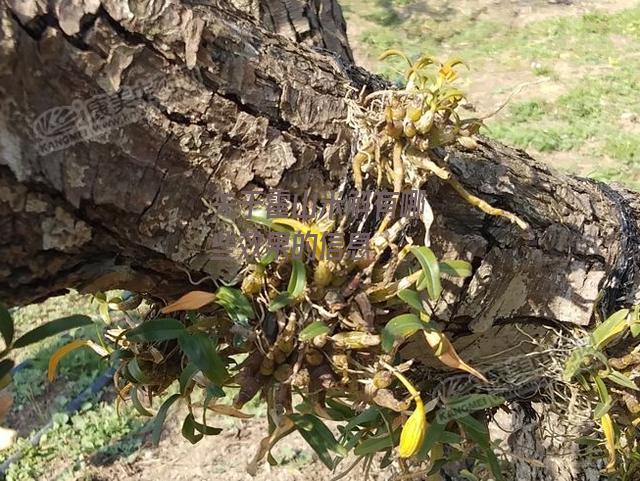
413,432
413,113
323,275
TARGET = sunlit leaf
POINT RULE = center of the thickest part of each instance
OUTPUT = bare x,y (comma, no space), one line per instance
297,284
400,327
312,233
615,324
622,380
456,268
313,330
605,398
51,329
430,270
190,301
395,53
281,300
298,279
412,298
235,304
103,310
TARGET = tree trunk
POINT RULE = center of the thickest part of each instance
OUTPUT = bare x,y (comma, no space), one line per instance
316,23
201,101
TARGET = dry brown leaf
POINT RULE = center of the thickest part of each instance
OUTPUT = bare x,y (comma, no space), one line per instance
286,426
444,351
191,300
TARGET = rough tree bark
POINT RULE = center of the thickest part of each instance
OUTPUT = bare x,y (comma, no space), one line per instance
240,108
317,23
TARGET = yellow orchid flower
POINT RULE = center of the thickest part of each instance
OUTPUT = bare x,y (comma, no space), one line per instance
317,229
414,430
610,440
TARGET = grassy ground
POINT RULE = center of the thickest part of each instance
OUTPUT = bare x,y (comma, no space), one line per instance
578,108
95,429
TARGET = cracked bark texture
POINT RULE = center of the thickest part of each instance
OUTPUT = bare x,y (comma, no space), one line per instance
243,104
316,23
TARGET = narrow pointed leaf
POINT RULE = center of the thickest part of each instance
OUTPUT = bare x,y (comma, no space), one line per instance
433,435
55,358
51,329
622,380
5,368
281,300
189,430
162,329
298,279
430,270
318,436
226,410
375,444
615,324
201,351
158,423
610,440
135,400
187,375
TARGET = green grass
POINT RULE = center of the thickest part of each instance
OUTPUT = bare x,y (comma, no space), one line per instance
96,427
72,438
588,116
594,57
581,40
